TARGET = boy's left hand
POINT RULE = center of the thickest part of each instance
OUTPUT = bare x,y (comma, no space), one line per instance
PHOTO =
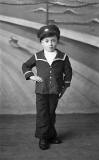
62,92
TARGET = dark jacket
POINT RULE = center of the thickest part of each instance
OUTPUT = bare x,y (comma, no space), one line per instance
55,77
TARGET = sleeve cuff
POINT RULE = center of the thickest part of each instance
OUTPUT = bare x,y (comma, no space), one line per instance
67,82
28,74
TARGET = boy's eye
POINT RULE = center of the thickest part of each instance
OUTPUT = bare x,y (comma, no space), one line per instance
46,41
53,40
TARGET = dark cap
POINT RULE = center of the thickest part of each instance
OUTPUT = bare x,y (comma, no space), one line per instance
48,31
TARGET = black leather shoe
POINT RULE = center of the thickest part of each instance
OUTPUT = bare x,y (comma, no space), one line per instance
55,140
43,144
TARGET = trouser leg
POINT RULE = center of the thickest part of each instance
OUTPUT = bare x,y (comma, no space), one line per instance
53,101
42,116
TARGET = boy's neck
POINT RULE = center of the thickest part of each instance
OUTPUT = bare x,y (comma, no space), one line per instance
50,51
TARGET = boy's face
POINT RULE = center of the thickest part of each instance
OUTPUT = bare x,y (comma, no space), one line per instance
49,43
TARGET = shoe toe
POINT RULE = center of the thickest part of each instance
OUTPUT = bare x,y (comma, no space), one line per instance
43,144
55,141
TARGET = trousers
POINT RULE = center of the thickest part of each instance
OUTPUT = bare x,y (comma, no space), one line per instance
46,105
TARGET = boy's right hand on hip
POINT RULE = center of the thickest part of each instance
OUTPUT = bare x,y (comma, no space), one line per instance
36,78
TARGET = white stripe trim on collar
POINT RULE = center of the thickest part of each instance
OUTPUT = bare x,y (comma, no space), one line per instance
53,60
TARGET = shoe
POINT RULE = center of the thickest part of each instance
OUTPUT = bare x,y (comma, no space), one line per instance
43,144
55,140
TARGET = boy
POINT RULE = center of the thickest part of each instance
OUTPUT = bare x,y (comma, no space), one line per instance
54,74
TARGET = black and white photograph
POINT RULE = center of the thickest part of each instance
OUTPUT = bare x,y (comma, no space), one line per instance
49,79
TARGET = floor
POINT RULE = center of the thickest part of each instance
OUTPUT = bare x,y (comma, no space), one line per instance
79,134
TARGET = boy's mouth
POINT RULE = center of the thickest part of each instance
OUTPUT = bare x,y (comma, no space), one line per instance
50,46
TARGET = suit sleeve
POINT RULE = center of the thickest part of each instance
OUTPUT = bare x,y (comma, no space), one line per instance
27,67
67,72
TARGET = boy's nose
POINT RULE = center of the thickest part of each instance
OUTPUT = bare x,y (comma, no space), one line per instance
50,43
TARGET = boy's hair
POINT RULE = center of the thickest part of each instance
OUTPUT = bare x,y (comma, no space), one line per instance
48,31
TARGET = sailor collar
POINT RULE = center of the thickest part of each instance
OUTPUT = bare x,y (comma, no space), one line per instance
41,57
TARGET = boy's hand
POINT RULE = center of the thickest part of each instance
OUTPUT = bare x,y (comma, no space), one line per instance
62,92
36,78
64,89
